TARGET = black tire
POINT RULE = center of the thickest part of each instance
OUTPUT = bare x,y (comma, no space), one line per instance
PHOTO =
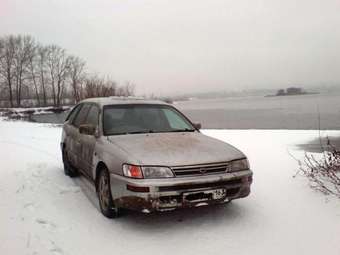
69,170
106,203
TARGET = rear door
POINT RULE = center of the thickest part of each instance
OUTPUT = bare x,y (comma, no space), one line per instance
75,137
68,128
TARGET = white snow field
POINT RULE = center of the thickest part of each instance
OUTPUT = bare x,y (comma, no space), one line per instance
44,212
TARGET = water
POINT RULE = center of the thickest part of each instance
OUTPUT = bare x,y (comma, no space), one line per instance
288,112
54,118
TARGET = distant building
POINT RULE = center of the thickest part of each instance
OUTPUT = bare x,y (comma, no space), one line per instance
281,92
290,91
294,91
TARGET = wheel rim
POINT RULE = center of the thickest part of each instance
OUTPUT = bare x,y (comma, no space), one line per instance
104,192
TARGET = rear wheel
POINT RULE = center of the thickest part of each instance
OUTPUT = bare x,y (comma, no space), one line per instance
69,170
106,203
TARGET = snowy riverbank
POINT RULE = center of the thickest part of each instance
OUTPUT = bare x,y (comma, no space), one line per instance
44,212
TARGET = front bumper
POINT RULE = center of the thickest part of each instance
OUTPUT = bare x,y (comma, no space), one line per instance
171,193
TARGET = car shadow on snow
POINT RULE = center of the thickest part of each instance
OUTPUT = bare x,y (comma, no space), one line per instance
88,190
213,215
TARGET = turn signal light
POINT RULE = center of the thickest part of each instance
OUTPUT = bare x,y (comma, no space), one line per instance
132,171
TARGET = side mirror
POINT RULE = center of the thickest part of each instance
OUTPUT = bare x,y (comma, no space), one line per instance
198,125
87,129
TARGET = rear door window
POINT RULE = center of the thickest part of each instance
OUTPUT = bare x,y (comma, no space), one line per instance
93,116
81,116
73,113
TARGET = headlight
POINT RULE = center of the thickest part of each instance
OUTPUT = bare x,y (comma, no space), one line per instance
140,172
238,165
157,172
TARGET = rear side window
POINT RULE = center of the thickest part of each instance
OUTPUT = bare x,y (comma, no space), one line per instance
93,116
81,116
73,113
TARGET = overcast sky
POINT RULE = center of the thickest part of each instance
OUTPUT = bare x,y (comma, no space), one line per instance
181,46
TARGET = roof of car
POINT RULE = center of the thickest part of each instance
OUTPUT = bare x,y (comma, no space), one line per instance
121,100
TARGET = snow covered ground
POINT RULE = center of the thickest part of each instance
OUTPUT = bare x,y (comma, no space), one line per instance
20,113
44,212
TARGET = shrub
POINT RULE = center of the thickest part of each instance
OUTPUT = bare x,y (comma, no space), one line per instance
323,172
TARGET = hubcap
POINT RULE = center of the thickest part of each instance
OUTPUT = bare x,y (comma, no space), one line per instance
104,191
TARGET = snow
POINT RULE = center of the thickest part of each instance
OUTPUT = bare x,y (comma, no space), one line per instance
44,212
35,110
21,113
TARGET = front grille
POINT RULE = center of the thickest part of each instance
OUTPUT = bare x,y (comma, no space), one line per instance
205,169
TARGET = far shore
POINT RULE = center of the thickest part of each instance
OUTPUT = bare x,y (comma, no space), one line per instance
304,112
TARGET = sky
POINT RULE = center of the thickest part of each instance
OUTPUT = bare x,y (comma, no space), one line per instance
185,46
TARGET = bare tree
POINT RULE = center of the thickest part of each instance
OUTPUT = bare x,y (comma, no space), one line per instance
77,76
92,86
23,49
33,71
126,90
42,70
7,64
96,86
58,63
109,88
34,74
2,55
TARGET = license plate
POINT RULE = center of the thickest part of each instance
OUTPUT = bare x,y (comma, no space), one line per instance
219,193
200,196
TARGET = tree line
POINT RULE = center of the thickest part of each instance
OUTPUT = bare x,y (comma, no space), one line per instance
46,75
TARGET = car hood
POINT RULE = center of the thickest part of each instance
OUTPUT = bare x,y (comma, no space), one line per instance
174,149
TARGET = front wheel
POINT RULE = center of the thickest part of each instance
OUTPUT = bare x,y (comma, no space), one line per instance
106,203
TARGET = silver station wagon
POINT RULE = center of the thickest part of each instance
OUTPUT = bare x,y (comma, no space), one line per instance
147,156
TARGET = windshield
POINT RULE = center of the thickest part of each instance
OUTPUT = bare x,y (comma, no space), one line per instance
133,119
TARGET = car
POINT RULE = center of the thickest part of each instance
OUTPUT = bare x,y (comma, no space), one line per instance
147,156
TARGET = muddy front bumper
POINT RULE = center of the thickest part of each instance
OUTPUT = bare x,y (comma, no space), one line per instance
149,195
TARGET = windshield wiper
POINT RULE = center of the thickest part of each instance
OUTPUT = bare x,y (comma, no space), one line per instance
141,132
183,130
154,131
132,132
